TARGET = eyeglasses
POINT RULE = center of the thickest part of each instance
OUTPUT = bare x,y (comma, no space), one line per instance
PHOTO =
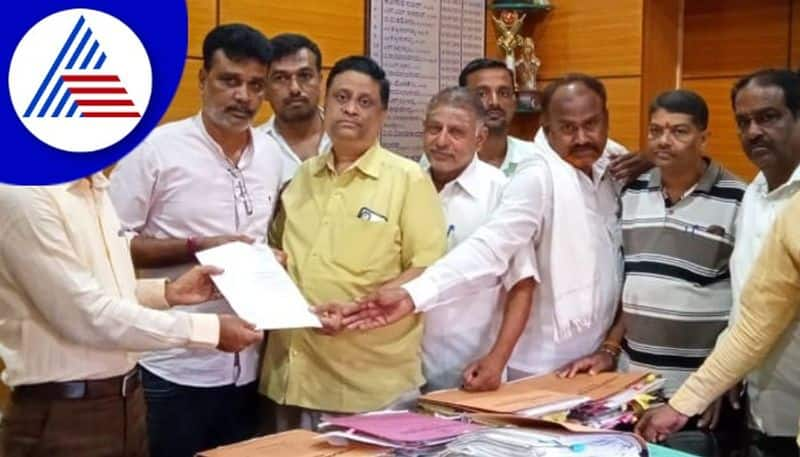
680,133
240,193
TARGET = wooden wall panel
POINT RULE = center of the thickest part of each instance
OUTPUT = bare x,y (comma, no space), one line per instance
661,53
795,36
202,18
186,101
724,142
725,38
337,26
603,39
624,96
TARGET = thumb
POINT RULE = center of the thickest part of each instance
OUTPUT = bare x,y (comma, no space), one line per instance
210,270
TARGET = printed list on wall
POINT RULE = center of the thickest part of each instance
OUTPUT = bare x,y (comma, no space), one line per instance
422,45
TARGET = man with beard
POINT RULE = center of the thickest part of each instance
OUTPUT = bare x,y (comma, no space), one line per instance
192,185
353,219
571,228
767,109
293,90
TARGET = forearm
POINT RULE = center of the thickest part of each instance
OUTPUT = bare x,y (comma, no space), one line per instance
617,331
404,277
515,317
150,252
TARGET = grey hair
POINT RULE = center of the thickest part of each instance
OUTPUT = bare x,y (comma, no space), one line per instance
458,97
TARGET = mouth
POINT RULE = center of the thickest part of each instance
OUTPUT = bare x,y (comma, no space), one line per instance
240,113
296,102
348,124
496,114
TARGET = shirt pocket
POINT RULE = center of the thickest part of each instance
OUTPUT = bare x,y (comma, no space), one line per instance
363,247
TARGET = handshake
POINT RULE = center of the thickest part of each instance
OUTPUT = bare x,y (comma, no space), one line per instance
383,307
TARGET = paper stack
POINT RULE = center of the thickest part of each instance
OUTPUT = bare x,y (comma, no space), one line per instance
535,396
513,442
404,432
607,413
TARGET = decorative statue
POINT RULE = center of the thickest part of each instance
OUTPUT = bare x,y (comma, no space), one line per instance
527,67
507,29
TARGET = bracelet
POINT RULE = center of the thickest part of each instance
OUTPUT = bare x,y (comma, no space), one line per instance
613,345
609,351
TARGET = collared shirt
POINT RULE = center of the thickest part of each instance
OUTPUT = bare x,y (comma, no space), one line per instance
677,292
523,219
770,303
68,295
178,183
517,152
290,160
345,234
774,390
457,335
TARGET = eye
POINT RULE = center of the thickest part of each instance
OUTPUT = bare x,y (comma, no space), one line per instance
365,102
341,97
505,92
482,93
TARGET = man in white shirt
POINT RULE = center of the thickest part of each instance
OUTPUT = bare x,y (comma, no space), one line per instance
572,228
469,344
293,91
191,185
72,310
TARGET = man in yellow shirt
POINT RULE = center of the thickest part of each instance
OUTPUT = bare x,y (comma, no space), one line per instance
770,301
353,219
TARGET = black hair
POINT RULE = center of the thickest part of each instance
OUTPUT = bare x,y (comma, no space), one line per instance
482,64
786,80
591,83
365,65
287,44
237,41
684,102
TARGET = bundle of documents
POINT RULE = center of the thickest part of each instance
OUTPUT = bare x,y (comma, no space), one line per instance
294,443
257,287
535,396
608,413
522,442
407,434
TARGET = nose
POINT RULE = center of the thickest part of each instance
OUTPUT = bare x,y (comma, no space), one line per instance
441,138
753,131
240,93
493,98
350,107
581,136
294,86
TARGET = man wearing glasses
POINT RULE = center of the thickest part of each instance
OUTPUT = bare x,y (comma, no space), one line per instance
678,223
293,90
192,185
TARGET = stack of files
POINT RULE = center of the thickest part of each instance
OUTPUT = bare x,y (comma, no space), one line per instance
612,411
294,443
512,435
404,432
535,396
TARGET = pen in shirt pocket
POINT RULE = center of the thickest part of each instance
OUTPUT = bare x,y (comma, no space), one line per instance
450,230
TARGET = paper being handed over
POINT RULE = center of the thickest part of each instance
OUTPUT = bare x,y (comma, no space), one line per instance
257,287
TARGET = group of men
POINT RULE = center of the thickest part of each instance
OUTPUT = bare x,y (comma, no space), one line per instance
492,259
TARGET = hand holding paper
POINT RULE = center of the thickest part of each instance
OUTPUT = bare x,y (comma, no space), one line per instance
257,287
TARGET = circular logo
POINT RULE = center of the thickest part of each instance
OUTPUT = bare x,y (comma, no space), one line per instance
80,80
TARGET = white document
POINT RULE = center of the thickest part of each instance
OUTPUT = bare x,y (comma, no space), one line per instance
257,287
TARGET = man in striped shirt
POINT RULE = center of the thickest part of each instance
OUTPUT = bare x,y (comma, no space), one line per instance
678,234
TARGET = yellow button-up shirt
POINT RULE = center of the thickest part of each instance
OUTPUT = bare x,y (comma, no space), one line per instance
345,235
770,302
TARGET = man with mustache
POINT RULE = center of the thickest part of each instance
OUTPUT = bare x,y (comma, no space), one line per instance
562,206
766,105
494,83
678,225
352,219
293,90
469,344
192,185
